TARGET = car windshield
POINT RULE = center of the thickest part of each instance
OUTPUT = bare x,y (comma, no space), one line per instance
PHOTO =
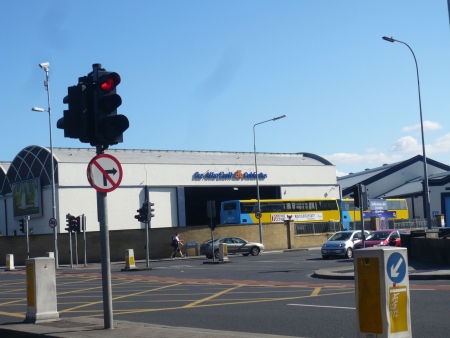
340,236
381,236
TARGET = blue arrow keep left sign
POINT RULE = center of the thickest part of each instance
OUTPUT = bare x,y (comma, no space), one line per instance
396,267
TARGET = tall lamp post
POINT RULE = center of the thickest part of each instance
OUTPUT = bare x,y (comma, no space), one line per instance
257,180
426,194
46,66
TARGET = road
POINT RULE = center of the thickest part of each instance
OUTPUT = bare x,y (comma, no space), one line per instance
271,293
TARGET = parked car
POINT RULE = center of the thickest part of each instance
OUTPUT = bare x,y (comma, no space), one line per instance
382,238
341,244
235,245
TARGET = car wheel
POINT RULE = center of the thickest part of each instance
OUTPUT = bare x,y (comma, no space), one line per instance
349,253
246,254
209,256
216,253
254,251
325,257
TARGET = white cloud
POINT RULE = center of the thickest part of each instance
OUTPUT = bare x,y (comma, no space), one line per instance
427,125
406,145
441,145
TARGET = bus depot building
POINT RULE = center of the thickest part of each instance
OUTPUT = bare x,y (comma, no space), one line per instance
179,183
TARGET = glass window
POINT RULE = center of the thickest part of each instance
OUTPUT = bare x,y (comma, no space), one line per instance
229,206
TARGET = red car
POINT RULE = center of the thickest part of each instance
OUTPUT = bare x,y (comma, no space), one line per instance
381,238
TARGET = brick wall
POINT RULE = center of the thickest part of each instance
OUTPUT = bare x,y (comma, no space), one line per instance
276,236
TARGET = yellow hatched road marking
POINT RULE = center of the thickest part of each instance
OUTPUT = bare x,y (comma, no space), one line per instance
193,304
120,297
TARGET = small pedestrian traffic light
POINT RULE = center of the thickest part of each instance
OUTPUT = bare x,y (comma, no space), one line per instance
22,225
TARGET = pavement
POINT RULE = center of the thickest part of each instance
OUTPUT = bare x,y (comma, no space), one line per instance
95,328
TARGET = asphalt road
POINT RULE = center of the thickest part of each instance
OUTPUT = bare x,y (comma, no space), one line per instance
271,293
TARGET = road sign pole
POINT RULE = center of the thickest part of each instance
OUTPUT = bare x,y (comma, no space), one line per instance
28,238
147,225
84,237
102,210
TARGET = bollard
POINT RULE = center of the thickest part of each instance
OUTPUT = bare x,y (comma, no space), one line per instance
10,262
41,290
382,292
129,259
223,252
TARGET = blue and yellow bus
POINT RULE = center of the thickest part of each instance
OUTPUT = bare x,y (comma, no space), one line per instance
397,209
279,210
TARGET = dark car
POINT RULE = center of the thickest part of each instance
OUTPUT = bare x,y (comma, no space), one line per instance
388,237
235,245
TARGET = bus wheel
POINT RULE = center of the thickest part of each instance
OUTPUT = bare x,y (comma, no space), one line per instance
349,253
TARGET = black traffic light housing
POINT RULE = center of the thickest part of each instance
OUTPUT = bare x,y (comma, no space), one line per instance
72,223
356,196
92,113
143,213
74,123
22,225
109,126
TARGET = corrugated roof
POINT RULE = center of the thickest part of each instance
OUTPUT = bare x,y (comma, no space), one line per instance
84,155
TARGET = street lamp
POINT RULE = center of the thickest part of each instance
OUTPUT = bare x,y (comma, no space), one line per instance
257,180
426,194
46,66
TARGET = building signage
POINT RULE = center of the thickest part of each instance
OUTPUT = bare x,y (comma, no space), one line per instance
378,204
310,216
237,175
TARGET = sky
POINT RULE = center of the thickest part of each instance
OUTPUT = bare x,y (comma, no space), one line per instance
198,75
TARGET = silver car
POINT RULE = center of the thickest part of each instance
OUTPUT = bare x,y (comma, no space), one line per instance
235,245
341,243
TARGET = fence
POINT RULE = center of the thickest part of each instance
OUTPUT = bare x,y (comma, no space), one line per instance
316,228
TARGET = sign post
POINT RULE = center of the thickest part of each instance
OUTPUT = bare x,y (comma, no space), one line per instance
101,174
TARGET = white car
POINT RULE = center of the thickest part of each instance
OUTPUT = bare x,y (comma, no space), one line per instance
341,243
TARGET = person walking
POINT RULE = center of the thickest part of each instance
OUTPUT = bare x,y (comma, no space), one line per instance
177,243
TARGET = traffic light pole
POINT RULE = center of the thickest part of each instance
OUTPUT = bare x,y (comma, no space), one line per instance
26,218
361,210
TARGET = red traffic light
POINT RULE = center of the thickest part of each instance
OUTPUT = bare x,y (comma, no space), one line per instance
109,81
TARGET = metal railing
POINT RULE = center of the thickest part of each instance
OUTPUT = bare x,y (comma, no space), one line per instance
316,227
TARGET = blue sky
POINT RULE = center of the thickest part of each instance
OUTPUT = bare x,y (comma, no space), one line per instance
197,75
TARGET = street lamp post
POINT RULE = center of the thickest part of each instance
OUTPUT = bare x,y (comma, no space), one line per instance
426,193
257,180
46,66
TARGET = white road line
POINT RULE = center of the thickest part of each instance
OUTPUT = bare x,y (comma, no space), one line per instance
331,307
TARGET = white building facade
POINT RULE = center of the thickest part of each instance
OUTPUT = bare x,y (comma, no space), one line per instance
179,184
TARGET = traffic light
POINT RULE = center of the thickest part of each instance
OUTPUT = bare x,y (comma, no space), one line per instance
74,122
92,113
72,223
22,225
109,126
78,224
143,213
150,213
356,196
